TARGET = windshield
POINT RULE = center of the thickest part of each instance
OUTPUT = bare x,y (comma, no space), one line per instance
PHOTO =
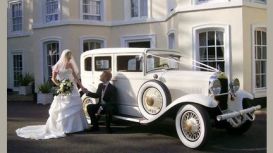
162,61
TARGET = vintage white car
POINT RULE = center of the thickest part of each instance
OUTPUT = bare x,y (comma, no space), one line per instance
155,83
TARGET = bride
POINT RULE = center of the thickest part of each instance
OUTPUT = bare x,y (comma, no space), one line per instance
65,114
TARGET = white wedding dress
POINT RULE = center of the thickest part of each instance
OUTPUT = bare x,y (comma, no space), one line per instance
65,115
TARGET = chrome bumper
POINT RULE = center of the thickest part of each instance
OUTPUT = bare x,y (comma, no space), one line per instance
237,113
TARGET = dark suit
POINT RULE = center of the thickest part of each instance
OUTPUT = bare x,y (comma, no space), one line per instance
109,99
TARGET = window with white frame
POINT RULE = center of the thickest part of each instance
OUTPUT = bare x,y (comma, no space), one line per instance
17,68
139,8
51,52
52,10
260,51
92,44
211,48
171,41
92,9
16,16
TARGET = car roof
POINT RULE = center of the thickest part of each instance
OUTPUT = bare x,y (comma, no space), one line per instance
126,50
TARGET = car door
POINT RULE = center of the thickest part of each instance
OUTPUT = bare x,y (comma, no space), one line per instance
128,79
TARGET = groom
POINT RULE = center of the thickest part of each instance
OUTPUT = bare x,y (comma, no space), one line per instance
106,93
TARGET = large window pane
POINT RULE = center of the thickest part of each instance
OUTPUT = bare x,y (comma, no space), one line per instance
263,38
139,8
91,9
92,44
52,10
211,53
203,53
143,8
220,53
51,57
219,38
103,63
258,39
258,67
202,39
134,8
260,51
129,64
211,38
88,64
17,68
16,14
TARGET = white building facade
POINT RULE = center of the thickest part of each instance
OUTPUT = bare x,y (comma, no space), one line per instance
227,34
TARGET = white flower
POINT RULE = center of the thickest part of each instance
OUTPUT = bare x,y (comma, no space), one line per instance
66,87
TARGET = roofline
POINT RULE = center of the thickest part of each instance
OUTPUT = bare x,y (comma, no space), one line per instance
128,50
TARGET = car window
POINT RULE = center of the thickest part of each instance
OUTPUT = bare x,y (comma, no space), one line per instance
162,61
131,63
103,63
88,64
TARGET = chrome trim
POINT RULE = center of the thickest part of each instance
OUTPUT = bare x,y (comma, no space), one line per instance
237,113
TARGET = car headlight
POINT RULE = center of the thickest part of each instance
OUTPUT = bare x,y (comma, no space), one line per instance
215,87
234,85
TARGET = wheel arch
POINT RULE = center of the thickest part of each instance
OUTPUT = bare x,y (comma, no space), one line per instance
173,107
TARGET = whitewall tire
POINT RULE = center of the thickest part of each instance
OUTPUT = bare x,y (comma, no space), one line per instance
193,125
153,97
85,102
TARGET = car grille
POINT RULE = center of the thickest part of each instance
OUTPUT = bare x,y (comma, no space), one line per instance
223,98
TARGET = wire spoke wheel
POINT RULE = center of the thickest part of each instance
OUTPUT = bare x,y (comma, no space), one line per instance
190,126
193,125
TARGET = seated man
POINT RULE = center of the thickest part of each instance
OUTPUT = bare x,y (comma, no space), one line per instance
106,93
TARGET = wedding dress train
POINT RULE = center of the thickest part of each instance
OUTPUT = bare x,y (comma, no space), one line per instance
65,116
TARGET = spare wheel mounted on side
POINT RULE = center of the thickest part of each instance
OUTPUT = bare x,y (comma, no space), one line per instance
153,97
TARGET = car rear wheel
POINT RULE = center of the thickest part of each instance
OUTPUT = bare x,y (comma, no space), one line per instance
193,125
153,97
85,102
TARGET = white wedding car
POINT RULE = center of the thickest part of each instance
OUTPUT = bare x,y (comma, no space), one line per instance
155,83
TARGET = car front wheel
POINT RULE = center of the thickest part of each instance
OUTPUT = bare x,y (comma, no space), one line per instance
153,98
193,125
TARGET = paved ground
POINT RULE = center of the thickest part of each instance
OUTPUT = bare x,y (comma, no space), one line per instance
127,137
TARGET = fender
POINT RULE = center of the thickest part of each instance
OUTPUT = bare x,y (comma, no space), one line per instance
206,101
237,103
244,94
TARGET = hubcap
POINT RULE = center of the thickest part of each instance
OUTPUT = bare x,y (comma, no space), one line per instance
190,125
152,101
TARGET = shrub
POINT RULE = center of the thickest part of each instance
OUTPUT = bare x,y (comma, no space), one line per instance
45,88
26,79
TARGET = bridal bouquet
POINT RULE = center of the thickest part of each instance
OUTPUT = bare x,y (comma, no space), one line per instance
65,88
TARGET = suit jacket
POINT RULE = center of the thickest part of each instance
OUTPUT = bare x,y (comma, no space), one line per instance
109,94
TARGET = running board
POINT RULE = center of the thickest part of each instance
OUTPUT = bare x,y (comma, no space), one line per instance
138,120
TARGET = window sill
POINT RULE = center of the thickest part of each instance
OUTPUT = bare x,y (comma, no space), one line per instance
19,34
70,22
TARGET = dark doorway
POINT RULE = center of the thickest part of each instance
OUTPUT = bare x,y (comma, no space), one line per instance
140,44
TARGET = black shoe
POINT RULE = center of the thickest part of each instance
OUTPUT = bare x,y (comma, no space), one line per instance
93,129
109,130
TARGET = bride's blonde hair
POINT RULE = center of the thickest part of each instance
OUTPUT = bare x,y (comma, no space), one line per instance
66,57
